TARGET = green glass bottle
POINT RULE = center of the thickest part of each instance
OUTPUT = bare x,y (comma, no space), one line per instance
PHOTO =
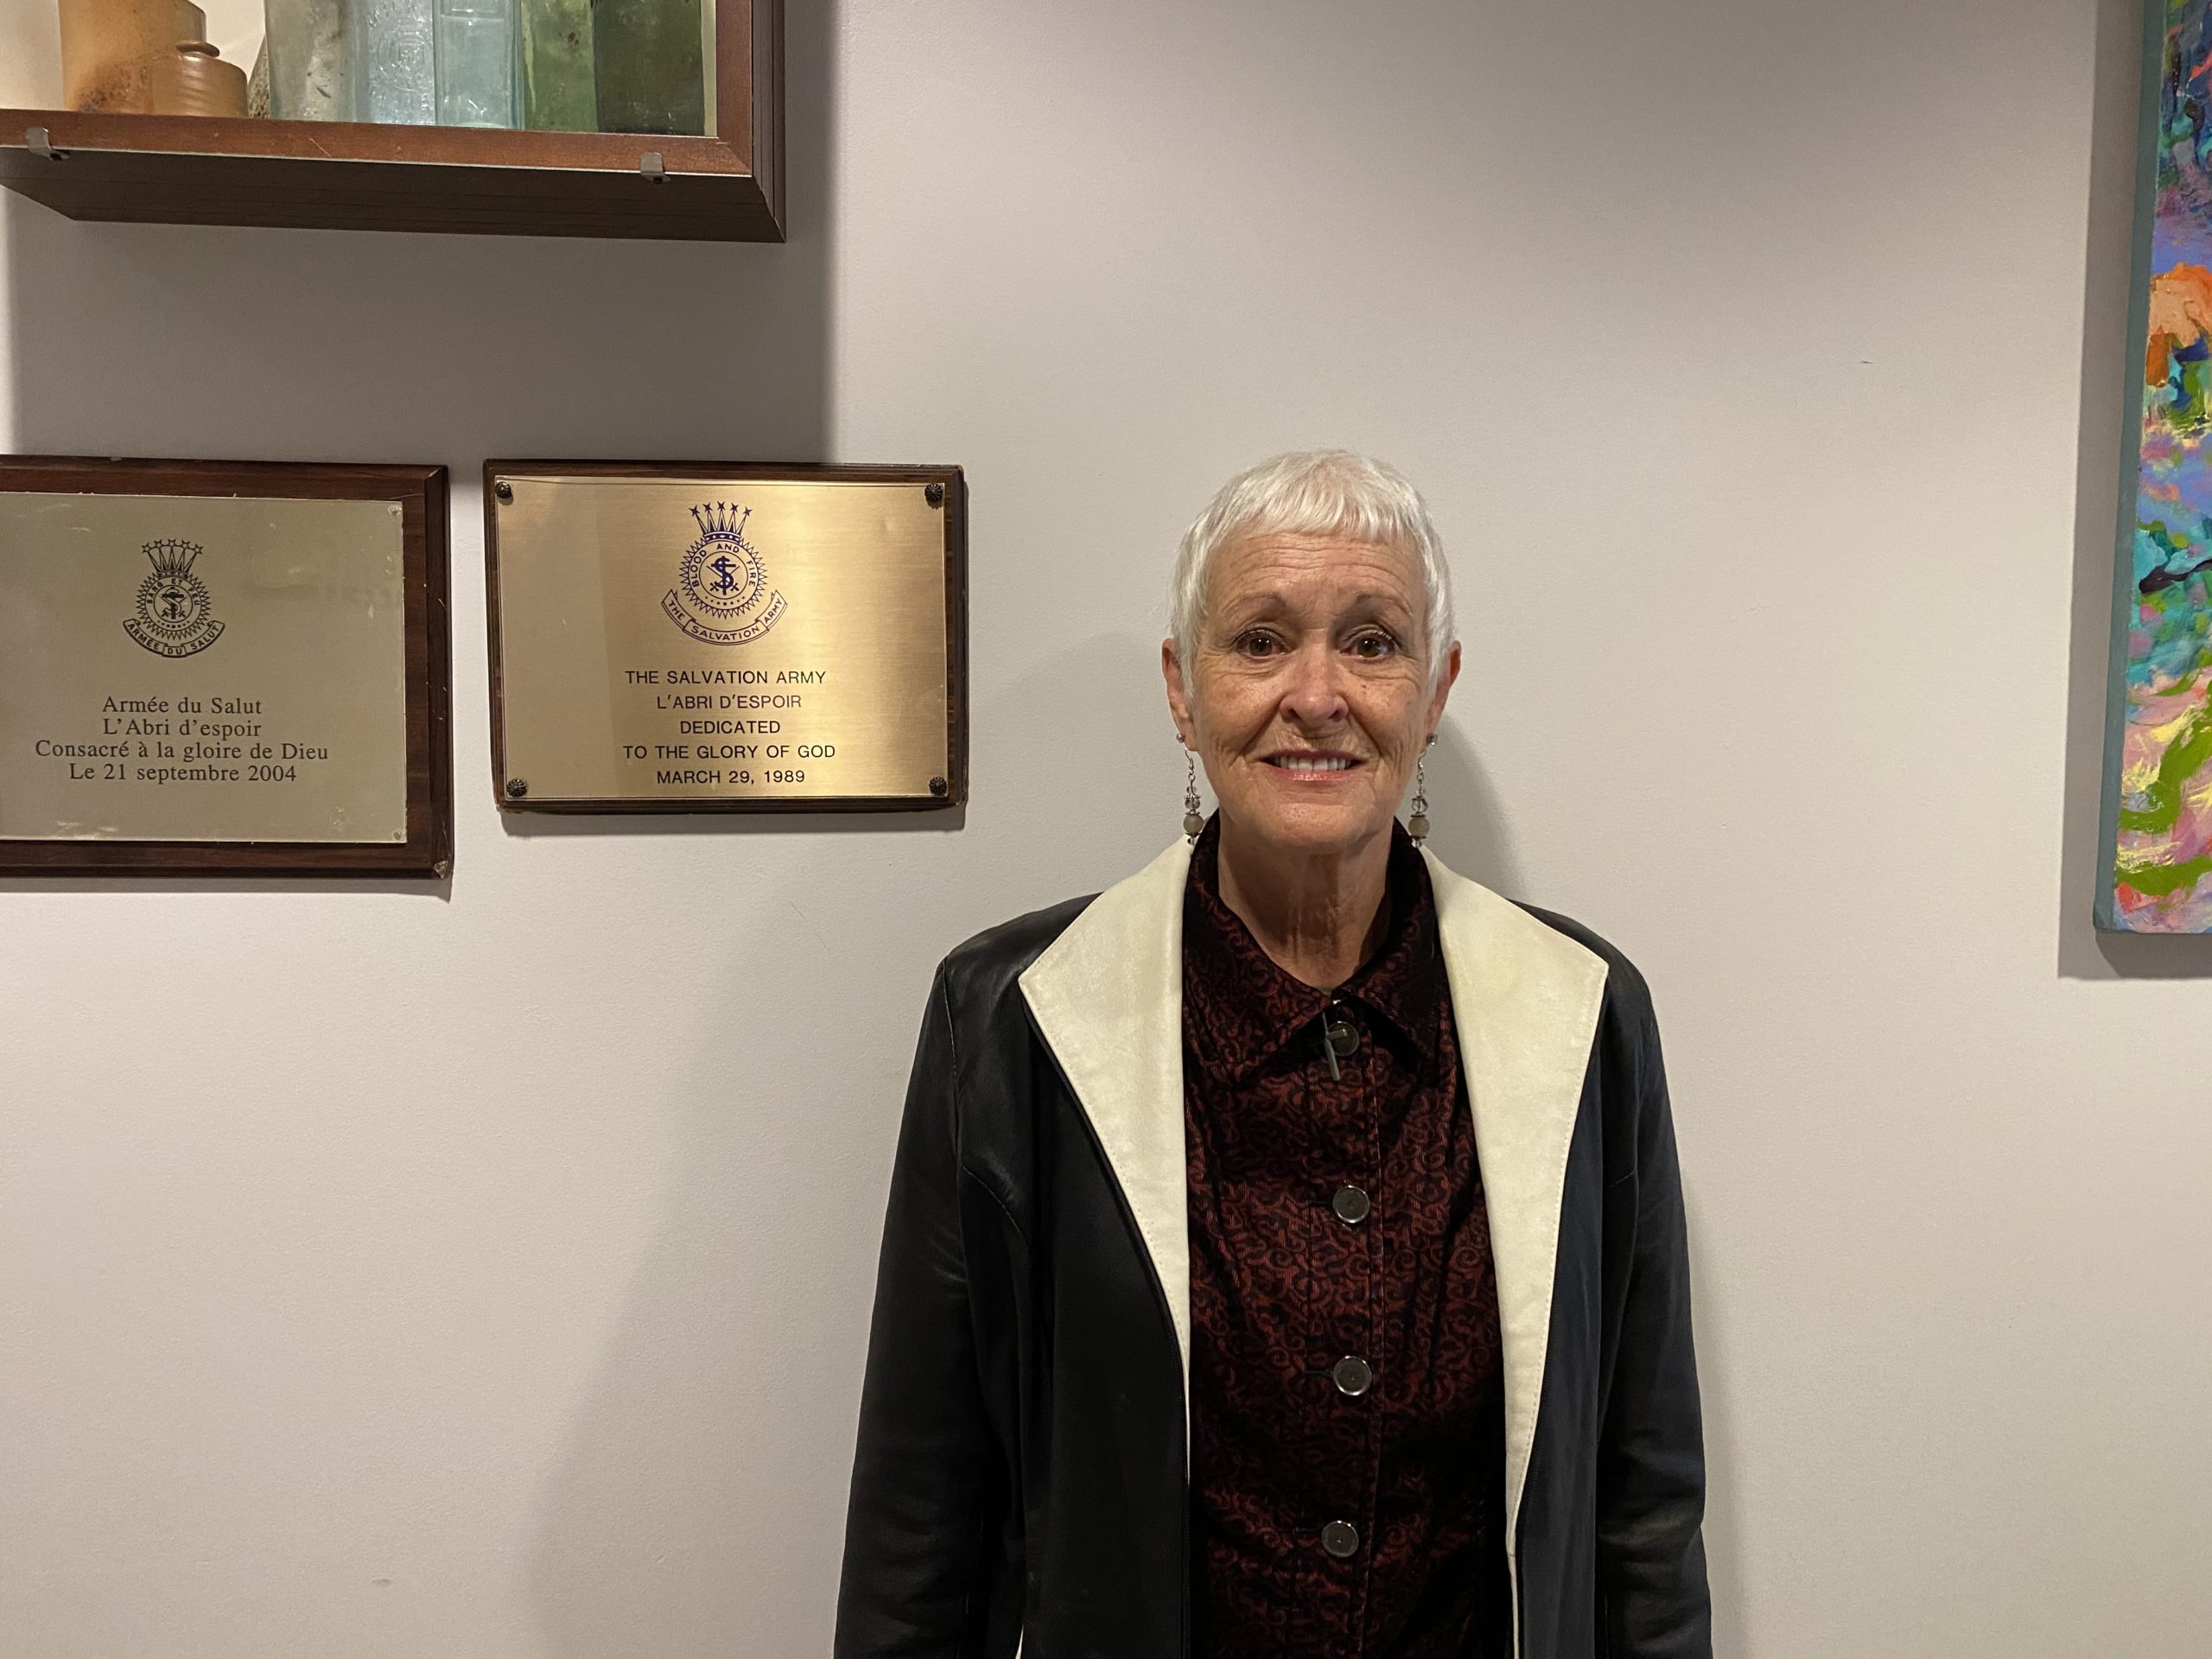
650,66
557,76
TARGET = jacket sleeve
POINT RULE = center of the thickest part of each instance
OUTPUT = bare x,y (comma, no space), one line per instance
1653,1599
923,1531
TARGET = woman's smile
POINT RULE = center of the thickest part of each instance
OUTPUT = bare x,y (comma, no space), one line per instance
1311,766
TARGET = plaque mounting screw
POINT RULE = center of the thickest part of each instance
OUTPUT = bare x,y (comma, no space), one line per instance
938,785
503,490
934,494
517,788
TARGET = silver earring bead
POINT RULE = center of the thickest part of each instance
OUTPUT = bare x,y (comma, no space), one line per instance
1417,824
1193,819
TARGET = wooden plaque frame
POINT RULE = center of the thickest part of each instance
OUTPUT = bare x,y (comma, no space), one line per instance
949,479
420,492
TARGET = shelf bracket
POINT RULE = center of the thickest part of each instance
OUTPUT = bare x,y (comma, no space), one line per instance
40,142
651,165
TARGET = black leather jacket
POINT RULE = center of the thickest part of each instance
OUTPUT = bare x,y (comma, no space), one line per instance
1021,1473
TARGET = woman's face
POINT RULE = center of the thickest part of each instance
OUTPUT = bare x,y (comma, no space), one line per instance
1307,699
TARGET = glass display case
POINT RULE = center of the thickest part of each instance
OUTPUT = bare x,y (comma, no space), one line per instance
430,115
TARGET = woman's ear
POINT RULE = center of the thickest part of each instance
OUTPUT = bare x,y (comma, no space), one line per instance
1443,688
1178,694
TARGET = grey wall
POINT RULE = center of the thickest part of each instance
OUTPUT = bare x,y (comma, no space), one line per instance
483,1271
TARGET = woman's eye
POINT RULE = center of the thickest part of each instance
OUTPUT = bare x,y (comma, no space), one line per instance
1256,644
1373,646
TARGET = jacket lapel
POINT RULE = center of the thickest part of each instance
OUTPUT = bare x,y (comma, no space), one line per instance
1108,996
1525,1000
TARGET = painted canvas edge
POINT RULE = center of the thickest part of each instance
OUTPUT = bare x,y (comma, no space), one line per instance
2150,78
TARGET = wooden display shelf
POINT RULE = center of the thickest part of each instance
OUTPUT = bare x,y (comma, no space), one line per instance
182,169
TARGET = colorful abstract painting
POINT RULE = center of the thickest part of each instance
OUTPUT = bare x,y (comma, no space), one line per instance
2159,763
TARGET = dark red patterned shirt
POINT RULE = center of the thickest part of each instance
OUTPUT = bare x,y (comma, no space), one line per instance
1347,1403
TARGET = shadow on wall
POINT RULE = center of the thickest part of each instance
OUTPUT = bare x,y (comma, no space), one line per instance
696,1509
1466,829
1717,1371
2084,952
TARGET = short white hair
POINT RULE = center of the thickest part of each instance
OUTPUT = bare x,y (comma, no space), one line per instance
1314,493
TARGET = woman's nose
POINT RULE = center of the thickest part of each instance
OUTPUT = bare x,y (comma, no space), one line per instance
1315,695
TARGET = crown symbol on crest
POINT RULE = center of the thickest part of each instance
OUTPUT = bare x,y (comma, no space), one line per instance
720,518
172,560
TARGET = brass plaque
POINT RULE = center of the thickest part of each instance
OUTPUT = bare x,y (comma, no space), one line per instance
734,638
199,668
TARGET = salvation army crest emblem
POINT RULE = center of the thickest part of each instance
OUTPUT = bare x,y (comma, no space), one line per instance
175,617
721,595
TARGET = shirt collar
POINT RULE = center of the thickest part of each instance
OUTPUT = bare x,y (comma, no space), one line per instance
1241,1008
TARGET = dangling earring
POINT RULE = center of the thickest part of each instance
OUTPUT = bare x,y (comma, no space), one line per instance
1193,819
1417,823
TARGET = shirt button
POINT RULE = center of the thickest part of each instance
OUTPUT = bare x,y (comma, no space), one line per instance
1351,1205
1340,1539
1342,1035
1353,1375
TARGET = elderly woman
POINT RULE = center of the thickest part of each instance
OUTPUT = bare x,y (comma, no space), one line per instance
1285,1253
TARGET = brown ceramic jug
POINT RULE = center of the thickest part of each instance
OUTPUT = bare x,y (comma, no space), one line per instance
144,57
192,80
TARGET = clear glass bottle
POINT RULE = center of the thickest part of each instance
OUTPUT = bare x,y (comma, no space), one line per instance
476,63
309,76
395,78
557,93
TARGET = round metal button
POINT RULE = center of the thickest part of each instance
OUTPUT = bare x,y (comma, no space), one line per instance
1344,1037
1340,1539
1353,1375
1351,1205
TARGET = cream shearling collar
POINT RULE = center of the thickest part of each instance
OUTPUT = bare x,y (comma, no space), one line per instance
1108,997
